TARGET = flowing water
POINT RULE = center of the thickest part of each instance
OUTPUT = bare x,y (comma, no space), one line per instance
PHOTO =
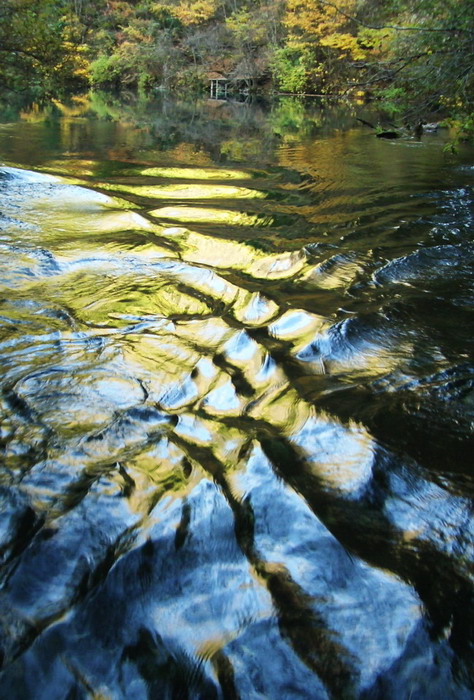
236,405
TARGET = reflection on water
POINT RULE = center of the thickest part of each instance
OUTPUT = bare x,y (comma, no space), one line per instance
236,406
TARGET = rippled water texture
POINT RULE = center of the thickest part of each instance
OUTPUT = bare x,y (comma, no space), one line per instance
236,406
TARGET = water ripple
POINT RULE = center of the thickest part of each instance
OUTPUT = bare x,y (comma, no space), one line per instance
236,418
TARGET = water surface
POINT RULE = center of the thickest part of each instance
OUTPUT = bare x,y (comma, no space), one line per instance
236,405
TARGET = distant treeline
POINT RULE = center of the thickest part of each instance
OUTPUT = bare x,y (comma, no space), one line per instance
415,56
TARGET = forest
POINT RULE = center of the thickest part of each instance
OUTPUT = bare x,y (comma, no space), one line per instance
413,57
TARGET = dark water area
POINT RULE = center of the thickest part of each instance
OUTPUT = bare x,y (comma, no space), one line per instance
236,401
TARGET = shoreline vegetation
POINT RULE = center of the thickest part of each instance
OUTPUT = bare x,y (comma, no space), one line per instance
413,59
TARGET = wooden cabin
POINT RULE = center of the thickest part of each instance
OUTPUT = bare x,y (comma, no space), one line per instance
218,85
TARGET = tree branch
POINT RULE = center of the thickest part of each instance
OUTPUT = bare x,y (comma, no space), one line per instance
391,26
14,50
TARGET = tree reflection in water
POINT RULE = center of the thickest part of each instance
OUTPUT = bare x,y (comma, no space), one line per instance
236,405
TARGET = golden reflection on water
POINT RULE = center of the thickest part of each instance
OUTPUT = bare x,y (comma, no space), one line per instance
180,191
224,253
74,166
207,215
195,173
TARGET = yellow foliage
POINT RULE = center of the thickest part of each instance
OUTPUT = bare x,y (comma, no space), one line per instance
195,12
33,114
314,20
245,25
345,43
72,110
312,23
82,72
375,40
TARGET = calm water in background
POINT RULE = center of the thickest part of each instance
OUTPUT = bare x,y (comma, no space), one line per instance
236,405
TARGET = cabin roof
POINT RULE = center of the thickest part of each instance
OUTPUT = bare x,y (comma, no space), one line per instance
213,75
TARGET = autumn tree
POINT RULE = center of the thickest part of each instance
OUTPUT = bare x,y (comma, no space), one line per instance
321,40
195,12
427,63
39,46
415,56
255,35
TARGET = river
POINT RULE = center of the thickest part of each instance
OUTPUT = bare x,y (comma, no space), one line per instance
236,400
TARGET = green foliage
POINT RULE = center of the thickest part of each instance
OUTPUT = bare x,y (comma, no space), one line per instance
393,100
38,46
429,67
192,80
140,65
288,116
290,68
106,71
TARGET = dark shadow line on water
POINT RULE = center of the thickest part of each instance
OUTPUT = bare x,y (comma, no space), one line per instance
161,669
362,529
352,522
92,578
299,623
356,403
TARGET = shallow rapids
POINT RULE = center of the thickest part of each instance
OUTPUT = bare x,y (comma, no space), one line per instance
236,402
